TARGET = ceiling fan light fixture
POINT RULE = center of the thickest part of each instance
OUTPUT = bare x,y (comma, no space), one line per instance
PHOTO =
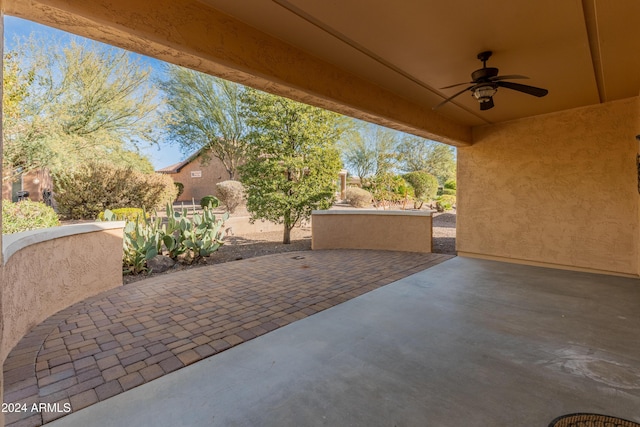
484,93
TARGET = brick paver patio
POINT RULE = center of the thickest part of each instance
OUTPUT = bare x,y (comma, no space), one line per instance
125,337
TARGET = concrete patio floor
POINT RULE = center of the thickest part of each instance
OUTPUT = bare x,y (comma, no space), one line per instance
465,343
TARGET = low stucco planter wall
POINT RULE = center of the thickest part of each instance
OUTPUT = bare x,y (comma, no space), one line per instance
408,231
48,270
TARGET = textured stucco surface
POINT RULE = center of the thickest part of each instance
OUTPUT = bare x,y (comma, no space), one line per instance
212,172
46,277
352,230
558,189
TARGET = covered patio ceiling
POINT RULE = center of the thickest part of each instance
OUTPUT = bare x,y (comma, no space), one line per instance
583,52
394,57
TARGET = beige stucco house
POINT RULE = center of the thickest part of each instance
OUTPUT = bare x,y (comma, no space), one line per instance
198,174
549,181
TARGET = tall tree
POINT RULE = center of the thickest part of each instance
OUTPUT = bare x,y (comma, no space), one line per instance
293,162
370,149
205,114
76,102
418,154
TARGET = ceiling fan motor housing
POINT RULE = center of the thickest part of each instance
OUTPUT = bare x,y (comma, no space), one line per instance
483,74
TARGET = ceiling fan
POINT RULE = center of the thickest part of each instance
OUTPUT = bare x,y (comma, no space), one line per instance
486,81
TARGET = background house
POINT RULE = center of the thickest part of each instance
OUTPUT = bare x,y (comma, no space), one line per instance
35,182
199,174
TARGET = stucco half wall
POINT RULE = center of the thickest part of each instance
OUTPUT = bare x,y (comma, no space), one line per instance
559,189
406,231
48,270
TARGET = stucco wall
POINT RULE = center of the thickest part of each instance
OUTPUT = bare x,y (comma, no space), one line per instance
42,278
212,171
558,189
362,229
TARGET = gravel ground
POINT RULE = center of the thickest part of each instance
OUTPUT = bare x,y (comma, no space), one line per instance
252,245
444,233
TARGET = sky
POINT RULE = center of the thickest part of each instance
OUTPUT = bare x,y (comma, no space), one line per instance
165,153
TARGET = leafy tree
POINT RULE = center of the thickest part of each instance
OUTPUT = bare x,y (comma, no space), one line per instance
417,154
424,184
15,85
370,150
293,162
359,157
204,114
74,103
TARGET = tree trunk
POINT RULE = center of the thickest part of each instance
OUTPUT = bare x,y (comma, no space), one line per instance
287,235
286,239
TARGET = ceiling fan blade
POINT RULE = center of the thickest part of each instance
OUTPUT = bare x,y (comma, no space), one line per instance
487,105
451,97
458,84
510,77
531,90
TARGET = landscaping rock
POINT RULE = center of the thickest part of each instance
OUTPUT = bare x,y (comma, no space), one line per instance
160,263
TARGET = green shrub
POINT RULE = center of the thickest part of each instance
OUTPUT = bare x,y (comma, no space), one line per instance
424,185
210,202
388,188
445,203
180,188
92,188
448,192
232,194
451,184
358,197
125,214
27,215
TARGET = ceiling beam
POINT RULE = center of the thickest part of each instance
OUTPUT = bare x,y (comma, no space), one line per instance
188,33
591,23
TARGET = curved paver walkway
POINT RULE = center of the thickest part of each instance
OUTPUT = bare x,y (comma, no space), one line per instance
125,337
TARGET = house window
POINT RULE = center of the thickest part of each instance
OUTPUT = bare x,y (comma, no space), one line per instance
196,174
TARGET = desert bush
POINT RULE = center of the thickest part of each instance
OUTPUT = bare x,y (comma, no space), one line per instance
445,203
180,188
448,192
358,198
451,184
27,215
210,202
84,192
231,194
388,188
424,185
155,191
125,214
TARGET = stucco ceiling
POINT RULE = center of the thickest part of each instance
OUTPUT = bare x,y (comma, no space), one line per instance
583,52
